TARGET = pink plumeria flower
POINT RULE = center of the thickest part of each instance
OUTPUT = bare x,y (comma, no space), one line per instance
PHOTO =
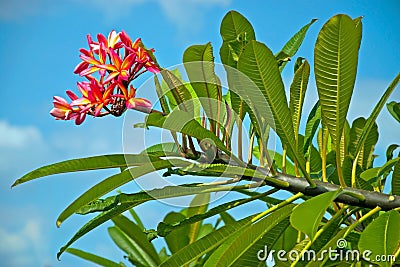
119,68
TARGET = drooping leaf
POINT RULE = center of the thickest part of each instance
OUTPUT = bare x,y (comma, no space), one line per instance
124,202
335,60
394,109
138,239
258,63
90,163
382,236
112,183
307,216
94,258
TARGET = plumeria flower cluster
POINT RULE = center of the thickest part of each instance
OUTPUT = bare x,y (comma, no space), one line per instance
109,66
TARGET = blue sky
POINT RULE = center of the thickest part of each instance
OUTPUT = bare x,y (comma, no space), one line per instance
39,50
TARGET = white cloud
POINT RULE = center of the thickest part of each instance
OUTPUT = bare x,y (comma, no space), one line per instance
24,246
18,136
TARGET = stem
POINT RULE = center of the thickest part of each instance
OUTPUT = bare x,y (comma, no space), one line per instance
325,136
240,137
251,144
284,160
353,171
339,167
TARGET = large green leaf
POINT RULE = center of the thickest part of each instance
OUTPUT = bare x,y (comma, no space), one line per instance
112,183
94,258
199,64
298,90
244,241
258,63
235,31
294,43
86,164
335,60
307,216
382,236
138,239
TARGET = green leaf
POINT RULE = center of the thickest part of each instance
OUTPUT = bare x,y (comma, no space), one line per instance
164,229
169,147
86,164
179,91
375,112
236,32
335,60
313,121
161,95
307,216
365,152
382,236
205,244
138,239
258,63
234,25
112,183
180,121
244,245
298,90
394,109
199,64
179,238
124,202
128,246
396,179
94,258
198,205
293,45
136,219
390,150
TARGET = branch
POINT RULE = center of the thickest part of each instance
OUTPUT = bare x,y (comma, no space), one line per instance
372,199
